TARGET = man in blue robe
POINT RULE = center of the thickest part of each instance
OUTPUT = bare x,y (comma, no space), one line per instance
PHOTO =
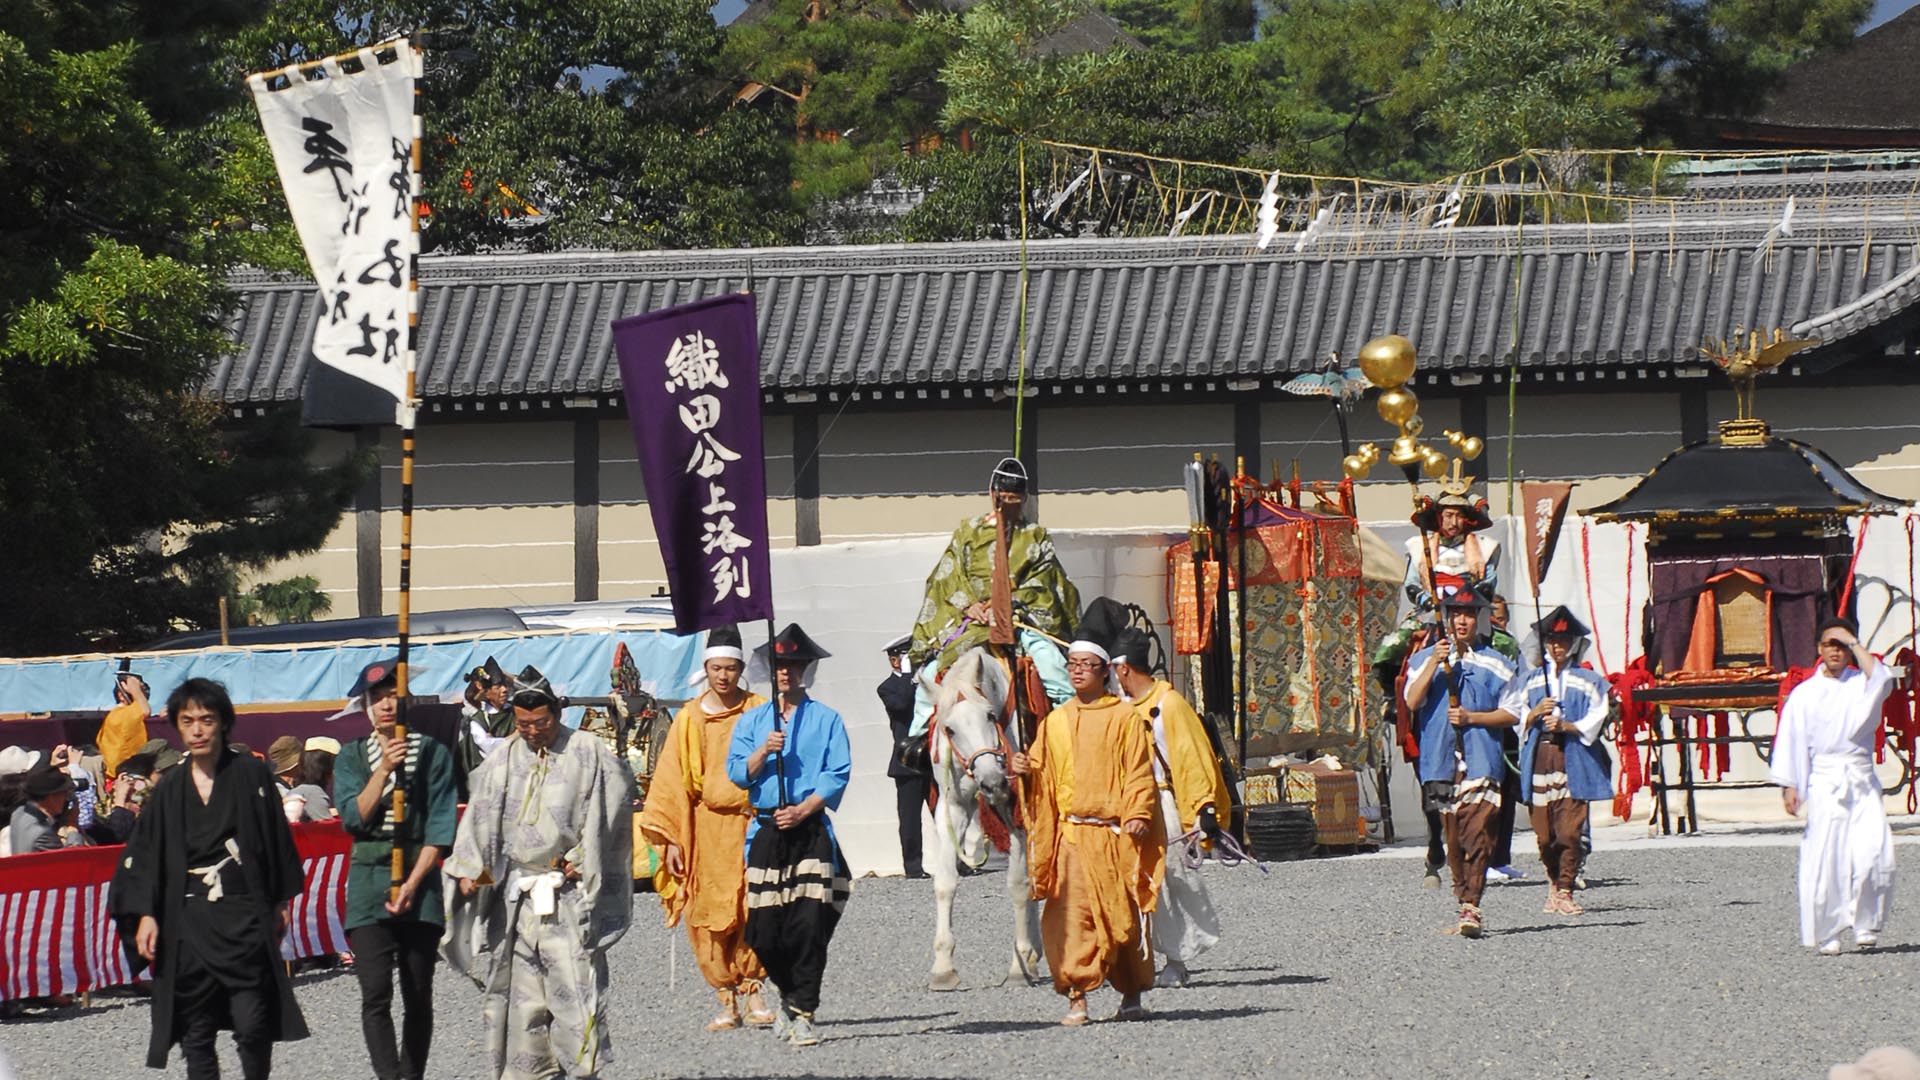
1454,690
792,757
1563,765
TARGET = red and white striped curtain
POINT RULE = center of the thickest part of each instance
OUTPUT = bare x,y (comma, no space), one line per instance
56,938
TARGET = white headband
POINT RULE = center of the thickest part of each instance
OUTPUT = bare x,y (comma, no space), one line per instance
723,652
1088,647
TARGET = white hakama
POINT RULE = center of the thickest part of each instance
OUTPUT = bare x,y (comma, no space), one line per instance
1823,749
1184,923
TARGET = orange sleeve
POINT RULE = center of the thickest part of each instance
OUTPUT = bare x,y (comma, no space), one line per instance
667,816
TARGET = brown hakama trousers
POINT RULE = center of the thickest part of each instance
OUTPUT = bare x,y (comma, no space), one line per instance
1558,817
1468,825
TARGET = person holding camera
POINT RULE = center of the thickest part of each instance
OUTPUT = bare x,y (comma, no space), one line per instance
123,731
49,819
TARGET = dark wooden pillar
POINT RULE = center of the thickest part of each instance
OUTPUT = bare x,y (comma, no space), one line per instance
366,527
586,509
1246,434
806,477
1693,414
1473,412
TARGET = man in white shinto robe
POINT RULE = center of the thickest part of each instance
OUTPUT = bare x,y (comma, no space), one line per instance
543,860
1823,758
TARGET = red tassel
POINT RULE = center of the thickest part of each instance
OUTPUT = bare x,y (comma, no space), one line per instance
1723,728
1635,718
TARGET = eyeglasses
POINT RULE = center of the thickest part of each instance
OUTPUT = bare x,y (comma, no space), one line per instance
1085,665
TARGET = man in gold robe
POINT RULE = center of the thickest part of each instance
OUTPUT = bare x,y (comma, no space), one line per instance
699,818
1095,843
1192,795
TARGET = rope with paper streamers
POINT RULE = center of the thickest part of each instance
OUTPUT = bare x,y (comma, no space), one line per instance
1104,191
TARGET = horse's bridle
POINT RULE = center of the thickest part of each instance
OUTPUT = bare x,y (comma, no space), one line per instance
966,759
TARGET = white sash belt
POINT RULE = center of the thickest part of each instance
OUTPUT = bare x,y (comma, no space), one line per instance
541,888
210,875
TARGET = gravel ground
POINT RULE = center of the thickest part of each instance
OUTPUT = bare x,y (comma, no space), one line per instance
1686,965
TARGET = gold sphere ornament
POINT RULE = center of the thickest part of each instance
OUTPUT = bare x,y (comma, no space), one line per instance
1388,361
1397,405
1414,426
1433,463
1356,467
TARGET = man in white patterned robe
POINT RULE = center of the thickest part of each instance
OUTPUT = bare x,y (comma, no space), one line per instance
543,863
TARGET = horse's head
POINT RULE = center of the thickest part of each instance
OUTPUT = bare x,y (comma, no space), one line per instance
973,694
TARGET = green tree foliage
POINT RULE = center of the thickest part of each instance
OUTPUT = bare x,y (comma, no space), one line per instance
1185,25
1411,89
610,118
131,499
859,80
295,599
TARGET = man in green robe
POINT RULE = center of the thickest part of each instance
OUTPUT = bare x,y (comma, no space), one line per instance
389,933
957,613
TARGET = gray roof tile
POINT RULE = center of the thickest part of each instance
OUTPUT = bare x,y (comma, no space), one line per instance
1212,307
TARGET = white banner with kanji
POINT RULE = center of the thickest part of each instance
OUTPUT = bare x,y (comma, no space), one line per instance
343,142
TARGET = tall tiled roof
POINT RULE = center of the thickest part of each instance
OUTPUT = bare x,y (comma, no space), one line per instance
946,315
1870,84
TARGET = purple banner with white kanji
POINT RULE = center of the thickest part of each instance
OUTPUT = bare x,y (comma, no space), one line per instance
692,380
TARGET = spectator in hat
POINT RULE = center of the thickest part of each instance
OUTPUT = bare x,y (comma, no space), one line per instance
16,760
284,755
301,796
124,727
47,820
161,756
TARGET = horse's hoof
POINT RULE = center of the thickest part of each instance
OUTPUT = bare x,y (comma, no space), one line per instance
944,980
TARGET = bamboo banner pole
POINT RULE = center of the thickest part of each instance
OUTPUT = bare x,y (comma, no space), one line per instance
1020,348
398,812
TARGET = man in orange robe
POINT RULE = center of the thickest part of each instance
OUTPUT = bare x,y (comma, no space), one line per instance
1096,846
699,818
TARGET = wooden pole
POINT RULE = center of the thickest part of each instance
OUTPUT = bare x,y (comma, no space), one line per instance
1239,525
398,813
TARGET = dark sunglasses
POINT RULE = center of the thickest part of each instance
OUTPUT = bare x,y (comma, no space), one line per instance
1834,643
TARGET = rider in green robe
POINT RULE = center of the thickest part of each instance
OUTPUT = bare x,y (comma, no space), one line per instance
957,611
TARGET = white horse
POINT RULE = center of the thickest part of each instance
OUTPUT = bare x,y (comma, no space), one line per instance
970,763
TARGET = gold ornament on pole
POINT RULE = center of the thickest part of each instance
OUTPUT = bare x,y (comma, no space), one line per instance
1389,363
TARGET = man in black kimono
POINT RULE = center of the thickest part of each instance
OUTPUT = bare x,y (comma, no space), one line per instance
201,895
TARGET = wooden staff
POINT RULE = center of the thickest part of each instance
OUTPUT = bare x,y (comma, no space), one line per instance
398,813
1004,640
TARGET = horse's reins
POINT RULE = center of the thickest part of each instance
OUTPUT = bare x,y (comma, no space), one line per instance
1227,850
